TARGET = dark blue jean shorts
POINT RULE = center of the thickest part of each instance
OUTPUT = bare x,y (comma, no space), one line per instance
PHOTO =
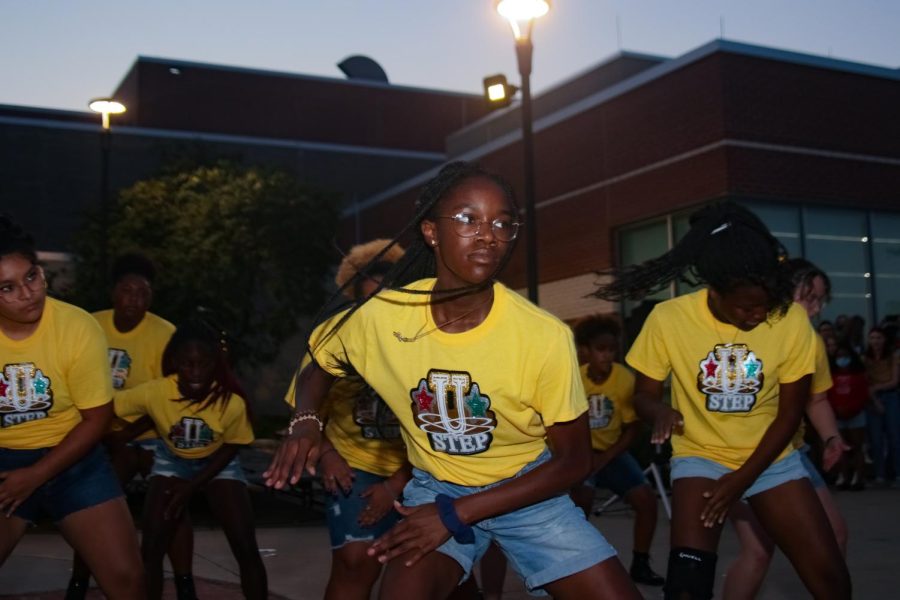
88,482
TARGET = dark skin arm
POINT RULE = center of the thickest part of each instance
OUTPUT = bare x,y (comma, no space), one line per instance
18,484
648,404
727,489
302,449
181,494
421,530
336,473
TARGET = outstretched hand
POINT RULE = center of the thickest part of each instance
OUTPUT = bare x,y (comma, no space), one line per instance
296,453
420,532
337,476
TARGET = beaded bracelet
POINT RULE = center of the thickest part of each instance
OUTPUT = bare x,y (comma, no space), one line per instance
305,415
461,532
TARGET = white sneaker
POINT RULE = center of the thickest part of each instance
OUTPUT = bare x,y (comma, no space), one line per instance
840,480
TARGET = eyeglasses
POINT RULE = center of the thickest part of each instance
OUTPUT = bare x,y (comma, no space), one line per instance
466,225
33,282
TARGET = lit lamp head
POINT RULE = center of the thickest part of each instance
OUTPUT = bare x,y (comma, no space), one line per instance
498,92
521,15
106,107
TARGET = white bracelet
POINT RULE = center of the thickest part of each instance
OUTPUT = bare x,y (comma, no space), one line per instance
306,415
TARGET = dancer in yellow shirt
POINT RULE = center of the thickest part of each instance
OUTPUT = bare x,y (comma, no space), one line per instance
614,428
486,390
202,417
740,356
55,405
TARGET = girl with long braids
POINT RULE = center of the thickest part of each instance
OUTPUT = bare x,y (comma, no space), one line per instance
55,404
487,392
741,356
745,575
199,410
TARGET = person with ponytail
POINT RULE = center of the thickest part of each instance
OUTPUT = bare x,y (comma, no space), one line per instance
489,400
741,356
746,573
199,409
55,405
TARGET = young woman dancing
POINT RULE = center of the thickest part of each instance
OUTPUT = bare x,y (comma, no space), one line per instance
745,575
741,357
55,404
486,389
201,414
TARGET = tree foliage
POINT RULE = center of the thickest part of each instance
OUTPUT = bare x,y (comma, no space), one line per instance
251,245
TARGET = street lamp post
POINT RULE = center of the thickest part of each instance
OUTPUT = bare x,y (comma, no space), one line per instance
106,107
521,15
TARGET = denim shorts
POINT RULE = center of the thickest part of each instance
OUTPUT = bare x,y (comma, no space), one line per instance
621,475
88,482
814,476
857,422
167,464
343,510
148,444
543,542
787,469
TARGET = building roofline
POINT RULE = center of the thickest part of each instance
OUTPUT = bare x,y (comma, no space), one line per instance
224,138
173,62
631,83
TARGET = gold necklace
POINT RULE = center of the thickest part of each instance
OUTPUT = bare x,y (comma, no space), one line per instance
420,334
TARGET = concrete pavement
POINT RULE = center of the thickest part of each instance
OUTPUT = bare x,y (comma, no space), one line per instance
298,559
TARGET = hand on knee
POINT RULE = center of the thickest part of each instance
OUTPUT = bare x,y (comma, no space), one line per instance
691,574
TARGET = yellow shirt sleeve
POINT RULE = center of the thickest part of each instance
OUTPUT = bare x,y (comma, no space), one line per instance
560,394
134,402
821,381
237,429
628,414
648,354
800,358
89,381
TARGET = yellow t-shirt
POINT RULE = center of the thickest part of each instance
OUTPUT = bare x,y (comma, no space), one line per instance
361,427
609,405
821,383
49,376
135,356
189,431
473,407
724,381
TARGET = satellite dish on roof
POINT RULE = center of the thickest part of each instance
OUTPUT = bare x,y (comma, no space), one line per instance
362,67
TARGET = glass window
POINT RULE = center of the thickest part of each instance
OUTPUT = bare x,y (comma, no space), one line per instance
837,242
639,244
783,221
680,226
886,263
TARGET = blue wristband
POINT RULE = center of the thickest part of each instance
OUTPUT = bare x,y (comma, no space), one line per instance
461,532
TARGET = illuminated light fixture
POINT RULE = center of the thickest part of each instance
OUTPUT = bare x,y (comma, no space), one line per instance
521,14
498,91
106,107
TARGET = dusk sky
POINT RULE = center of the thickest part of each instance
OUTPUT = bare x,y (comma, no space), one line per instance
60,53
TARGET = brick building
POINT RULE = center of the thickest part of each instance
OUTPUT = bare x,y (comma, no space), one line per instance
625,151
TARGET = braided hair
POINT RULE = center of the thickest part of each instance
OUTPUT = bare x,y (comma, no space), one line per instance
418,261
199,331
726,247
